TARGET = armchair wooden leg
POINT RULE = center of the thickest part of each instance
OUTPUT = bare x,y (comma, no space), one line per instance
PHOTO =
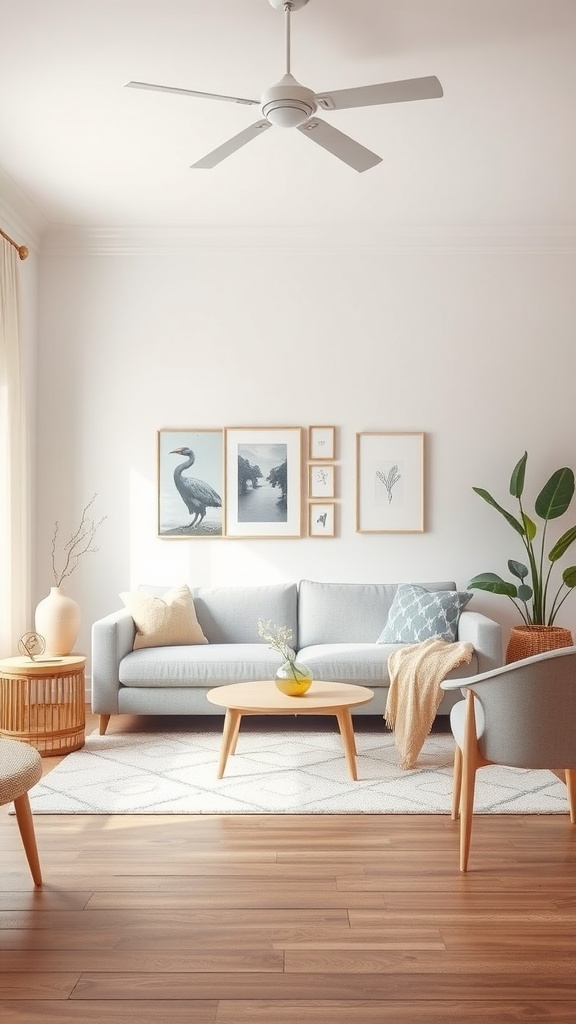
26,826
104,719
571,787
457,783
469,766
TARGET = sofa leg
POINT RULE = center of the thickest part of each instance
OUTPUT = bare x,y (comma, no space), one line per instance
104,719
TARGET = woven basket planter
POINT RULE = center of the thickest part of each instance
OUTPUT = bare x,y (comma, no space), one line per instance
526,641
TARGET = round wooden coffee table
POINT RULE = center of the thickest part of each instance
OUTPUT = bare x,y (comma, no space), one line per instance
263,698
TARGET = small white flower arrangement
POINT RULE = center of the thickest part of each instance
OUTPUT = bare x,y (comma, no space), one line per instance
278,638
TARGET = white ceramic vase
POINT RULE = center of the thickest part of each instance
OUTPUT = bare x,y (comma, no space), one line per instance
58,620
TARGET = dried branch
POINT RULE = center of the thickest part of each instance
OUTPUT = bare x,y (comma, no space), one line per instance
80,543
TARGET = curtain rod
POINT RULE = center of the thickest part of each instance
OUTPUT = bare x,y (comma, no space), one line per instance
22,250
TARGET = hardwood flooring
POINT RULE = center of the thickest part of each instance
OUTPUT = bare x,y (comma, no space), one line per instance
350,919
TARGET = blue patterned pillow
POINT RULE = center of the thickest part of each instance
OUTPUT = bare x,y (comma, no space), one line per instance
417,614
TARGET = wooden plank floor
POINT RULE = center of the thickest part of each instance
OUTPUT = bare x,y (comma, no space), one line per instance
270,919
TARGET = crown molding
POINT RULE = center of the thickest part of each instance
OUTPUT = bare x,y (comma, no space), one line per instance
18,215
60,240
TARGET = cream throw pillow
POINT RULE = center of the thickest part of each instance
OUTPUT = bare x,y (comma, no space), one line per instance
164,621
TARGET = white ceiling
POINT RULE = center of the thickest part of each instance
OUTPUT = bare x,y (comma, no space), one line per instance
497,150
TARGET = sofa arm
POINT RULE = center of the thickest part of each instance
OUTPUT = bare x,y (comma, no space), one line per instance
112,638
485,635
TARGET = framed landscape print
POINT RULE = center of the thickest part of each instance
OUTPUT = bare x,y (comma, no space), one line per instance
321,481
190,483
389,483
321,519
321,442
263,467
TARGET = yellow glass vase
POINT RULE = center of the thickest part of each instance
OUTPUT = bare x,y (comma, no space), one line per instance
293,678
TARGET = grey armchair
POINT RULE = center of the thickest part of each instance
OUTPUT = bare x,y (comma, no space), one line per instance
522,715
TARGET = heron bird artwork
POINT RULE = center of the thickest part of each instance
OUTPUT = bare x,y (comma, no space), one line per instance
197,495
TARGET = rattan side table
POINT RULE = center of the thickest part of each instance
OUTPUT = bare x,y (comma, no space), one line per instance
43,703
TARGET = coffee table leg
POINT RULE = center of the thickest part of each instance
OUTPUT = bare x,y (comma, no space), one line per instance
348,741
229,736
235,736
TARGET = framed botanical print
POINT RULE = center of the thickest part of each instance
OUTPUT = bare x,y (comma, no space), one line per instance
321,442
263,467
190,483
389,482
321,519
321,481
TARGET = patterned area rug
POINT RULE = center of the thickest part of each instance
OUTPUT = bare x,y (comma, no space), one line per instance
283,772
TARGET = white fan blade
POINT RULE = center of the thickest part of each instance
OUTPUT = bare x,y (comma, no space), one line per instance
227,148
340,145
388,92
190,92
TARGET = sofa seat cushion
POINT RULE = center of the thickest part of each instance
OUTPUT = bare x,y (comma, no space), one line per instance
204,666
362,664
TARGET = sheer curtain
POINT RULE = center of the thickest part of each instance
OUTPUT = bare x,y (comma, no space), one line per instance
14,462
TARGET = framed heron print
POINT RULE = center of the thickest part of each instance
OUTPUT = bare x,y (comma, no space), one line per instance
190,483
389,482
263,481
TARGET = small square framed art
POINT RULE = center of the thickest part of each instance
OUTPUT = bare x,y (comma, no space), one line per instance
321,519
321,481
321,442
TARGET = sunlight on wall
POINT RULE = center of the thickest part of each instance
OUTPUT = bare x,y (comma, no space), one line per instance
199,562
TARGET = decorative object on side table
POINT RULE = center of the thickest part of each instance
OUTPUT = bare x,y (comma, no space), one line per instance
57,616
31,645
536,606
293,677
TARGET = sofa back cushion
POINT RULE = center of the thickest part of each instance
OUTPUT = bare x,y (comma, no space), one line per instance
346,612
229,615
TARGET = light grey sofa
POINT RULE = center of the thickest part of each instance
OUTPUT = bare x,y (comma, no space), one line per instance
334,627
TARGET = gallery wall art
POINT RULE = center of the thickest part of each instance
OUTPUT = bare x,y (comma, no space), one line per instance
249,482
263,481
190,483
389,482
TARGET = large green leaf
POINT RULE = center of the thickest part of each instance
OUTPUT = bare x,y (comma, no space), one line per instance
493,584
563,544
530,527
556,495
507,515
524,593
569,576
517,478
517,569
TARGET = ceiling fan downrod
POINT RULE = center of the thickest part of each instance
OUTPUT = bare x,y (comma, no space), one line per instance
288,104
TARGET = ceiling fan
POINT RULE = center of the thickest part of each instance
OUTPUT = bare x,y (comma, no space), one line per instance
291,105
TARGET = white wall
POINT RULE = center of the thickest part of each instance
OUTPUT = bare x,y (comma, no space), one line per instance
476,350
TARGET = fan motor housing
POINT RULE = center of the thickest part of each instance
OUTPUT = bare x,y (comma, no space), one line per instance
288,104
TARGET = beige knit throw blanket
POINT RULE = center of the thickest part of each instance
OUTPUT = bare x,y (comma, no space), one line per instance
414,696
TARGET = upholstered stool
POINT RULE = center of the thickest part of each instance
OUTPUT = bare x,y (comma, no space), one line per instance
20,769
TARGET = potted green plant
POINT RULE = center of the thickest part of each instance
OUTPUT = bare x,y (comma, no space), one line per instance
533,595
